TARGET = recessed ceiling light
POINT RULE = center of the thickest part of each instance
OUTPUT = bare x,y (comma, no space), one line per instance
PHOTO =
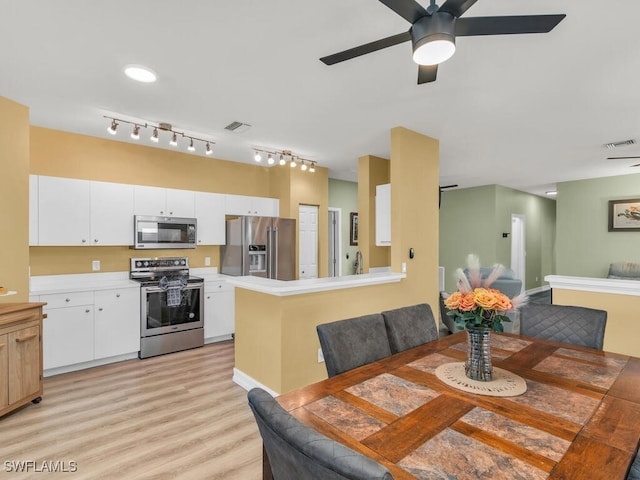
140,73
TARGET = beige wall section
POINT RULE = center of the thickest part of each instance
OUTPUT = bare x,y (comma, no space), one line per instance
14,199
620,334
279,333
414,207
372,171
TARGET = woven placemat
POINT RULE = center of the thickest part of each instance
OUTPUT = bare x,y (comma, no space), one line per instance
504,383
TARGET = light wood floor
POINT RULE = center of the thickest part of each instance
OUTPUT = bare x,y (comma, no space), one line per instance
173,416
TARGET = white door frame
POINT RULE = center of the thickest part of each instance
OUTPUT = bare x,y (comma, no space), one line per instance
518,247
338,232
314,272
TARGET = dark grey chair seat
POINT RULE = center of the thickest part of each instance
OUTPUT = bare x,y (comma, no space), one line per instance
408,327
298,452
562,323
347,344
634,472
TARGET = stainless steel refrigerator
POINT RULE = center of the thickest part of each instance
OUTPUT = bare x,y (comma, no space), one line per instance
260,246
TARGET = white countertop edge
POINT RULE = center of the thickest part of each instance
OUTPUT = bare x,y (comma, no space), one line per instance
590,284
298,287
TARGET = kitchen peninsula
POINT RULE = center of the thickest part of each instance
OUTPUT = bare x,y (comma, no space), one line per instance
276,342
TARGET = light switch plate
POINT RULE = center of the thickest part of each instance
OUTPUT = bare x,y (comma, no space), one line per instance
207,261
95,265
320,356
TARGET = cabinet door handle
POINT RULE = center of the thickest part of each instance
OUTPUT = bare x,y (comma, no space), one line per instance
208,297
95,240
67,299
100,309
2,345
117,295
84,240
26,337
87,310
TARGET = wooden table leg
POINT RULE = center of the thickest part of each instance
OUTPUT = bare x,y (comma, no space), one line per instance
266,467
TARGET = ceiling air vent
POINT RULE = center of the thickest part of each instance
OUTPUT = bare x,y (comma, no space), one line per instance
237,127
624,143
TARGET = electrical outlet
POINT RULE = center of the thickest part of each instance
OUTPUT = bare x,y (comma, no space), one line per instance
207,261
95,265
320,356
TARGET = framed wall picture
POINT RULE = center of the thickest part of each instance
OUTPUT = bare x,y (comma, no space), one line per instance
353,229
624,215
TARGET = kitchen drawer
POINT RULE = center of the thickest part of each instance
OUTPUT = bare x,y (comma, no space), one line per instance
62,300
221,286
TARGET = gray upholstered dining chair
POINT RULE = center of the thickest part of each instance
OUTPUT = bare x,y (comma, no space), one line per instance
563,323
634,472
347,344
448,321
408,327
297,451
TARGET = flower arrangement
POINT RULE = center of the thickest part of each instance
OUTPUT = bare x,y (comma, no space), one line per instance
475,304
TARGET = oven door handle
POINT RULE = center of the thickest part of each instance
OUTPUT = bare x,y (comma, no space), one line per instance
190,286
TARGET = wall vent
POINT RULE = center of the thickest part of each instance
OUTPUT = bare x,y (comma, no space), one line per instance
623,143
237,127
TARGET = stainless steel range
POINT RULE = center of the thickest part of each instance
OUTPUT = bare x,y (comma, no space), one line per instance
171,305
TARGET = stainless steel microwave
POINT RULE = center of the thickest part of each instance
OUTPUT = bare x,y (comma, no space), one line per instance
164,232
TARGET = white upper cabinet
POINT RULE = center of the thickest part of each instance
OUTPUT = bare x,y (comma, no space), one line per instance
167,202
111,214
209,210
64,210
383,215
247,205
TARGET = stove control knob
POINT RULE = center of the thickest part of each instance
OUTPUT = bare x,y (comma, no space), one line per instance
146,264
184,262
138,264
176,262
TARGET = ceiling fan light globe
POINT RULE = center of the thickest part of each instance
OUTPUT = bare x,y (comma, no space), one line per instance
434,51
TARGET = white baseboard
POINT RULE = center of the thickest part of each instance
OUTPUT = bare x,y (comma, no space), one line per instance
247,382
93,363
541,289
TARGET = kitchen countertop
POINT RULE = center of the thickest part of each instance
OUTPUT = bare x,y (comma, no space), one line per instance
80,282
311,285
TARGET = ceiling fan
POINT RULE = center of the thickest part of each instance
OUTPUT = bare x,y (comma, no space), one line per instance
434,30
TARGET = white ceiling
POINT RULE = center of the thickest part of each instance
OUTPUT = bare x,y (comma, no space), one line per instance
523,111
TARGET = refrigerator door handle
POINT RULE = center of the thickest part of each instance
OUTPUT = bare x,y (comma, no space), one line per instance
275,252
269,247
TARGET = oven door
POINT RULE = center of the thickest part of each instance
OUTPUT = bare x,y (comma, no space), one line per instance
157,317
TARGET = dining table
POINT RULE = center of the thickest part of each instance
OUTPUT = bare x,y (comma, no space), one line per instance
579,417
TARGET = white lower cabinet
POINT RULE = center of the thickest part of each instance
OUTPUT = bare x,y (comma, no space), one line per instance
85,326
117,322
67,331
219,309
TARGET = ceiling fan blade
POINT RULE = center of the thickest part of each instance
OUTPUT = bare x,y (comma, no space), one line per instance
427,73
507,25
622,158
456,7
366,48
410,10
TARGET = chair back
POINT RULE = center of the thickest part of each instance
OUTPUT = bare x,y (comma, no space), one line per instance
408,327
297,451
634,471
448,321
562,323
347,344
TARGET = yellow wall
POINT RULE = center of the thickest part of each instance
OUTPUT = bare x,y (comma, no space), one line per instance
620,335
276,340
372,171
62,154
14,199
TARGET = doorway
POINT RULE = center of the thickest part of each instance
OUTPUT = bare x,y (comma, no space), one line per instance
518,250
335,242
308,235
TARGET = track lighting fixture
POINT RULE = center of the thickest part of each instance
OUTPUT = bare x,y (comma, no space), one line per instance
155,135
113,128
305,165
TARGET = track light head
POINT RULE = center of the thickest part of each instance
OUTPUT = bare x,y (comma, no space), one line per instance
257,157
271,160
282,160
208,150
292,163
191,148
136,132
113,128
174,140
154,136
303,166
312,168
